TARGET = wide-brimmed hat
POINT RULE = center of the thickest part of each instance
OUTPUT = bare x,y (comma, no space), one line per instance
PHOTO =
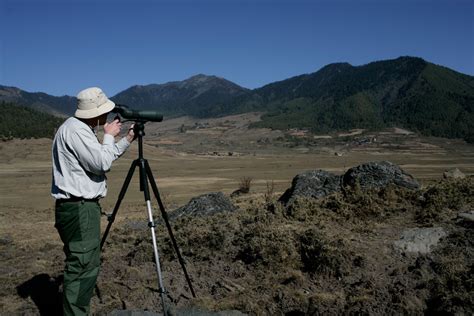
92,102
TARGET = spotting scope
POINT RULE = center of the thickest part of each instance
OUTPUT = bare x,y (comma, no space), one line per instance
137,115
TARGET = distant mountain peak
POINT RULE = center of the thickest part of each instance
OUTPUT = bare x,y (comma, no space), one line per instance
194,95
412,58
202,83
338,65
199,79
335,67
202,77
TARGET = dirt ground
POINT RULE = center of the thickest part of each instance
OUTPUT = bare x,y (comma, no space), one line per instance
252,259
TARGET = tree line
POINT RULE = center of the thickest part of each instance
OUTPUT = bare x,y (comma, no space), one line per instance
17,121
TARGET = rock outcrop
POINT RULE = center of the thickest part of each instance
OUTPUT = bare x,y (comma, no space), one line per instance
375,175
420,240
453,174
314,184
204,205
372,175
467,216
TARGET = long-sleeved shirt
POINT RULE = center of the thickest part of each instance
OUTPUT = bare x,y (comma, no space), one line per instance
80,161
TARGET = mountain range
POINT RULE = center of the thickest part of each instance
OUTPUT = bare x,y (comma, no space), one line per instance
408,92
58,106
196,96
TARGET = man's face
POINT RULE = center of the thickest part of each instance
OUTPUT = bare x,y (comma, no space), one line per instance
103,119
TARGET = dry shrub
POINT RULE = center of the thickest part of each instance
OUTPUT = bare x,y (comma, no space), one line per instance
244,184
323,256
244,187
452,287
294,277
324,303
202,237
266,245
140,252
270,191
311,210
363,204
442,201
355,204
293,302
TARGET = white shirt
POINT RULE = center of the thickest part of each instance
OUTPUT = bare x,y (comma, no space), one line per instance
80,161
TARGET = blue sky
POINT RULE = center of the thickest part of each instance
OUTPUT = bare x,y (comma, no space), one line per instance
61,47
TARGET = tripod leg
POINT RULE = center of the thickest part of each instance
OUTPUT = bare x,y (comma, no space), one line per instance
151,224
168,226
111,218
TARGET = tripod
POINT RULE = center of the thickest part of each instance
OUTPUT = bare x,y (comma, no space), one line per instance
145,176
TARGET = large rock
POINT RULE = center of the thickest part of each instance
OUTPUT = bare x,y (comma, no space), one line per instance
420,240
453,174
467,216
204,205
314,184
374,175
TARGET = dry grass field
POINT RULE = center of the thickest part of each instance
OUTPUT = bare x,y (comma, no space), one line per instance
190,157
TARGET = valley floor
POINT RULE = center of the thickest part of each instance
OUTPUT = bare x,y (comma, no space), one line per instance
239,261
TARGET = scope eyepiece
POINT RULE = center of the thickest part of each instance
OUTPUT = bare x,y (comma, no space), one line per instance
137,115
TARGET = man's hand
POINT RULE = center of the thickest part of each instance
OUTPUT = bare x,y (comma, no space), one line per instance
113,128
131,134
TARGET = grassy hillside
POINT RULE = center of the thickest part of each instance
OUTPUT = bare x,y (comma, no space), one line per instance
439,103
23,122
408,92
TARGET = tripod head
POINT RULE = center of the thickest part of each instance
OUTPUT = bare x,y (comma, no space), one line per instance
139,128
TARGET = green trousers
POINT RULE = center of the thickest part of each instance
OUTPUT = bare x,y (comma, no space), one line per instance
78,224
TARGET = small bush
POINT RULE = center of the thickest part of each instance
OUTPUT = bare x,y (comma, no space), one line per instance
245,183
269,193
321,256
443,200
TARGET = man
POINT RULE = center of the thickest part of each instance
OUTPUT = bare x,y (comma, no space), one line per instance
79,166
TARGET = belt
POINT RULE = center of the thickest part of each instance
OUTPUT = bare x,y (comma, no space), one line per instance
76,199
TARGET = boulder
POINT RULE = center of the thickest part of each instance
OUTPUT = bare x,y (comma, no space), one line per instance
239,192
467,216
420,240
314,184
374,175
453,174
205,205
